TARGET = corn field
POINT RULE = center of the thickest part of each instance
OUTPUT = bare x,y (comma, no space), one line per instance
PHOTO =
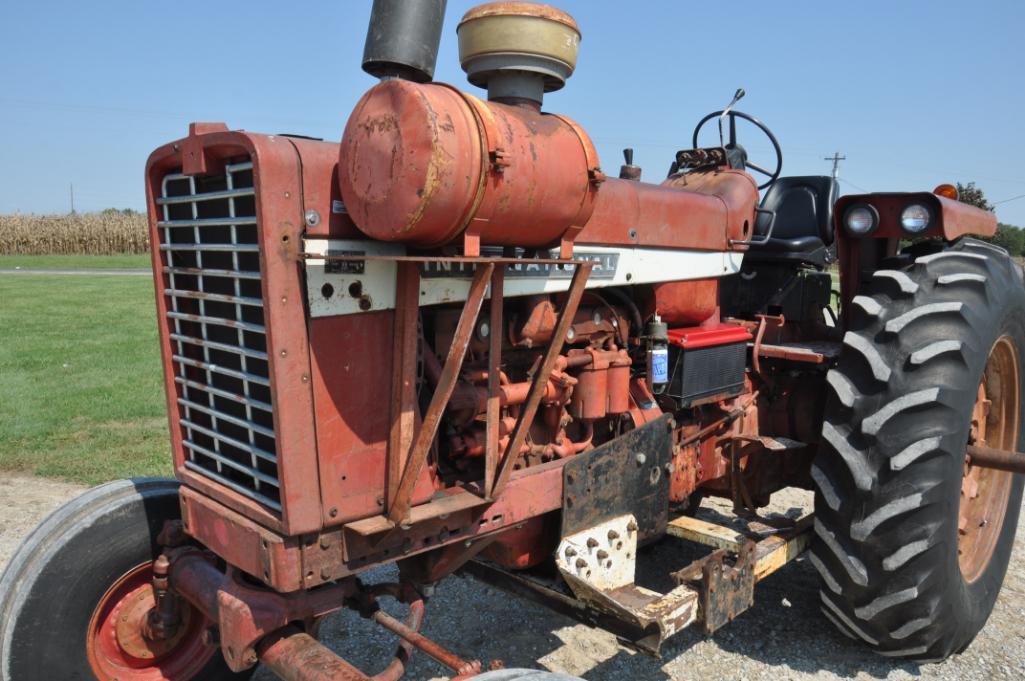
105,233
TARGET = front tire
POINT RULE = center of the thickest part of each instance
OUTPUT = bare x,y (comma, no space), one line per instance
908,565
88,560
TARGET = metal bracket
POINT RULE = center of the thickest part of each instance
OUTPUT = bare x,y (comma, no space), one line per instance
724,591
599,565
628,475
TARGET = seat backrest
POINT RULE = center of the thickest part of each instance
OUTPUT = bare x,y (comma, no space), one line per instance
803,206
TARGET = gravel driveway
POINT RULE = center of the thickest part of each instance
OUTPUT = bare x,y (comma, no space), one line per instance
782,637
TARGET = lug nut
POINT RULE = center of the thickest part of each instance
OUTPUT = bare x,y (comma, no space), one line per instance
570,552
631,526
602,555
613,535
581,563
591,542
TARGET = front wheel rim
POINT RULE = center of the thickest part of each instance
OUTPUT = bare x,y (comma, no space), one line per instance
119,651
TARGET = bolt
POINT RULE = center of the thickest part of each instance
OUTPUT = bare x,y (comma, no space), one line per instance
591,542
640,459
670,468
631,526
312,218
467,543
210,637
602,554
613,535
325,573
581,563
484,329
325,543
570,552
250,658
380,500
333,512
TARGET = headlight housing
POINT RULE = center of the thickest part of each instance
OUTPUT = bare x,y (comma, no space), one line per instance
861,219
915,218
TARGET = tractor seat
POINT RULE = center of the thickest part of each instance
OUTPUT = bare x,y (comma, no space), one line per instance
803,231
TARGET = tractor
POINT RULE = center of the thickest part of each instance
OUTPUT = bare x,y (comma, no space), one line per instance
453,342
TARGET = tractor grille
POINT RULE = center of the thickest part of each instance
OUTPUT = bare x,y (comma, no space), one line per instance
211,258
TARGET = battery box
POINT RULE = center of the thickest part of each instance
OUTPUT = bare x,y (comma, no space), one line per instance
707,363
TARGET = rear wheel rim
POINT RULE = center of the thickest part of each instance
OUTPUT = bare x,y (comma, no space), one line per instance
985,491
118,650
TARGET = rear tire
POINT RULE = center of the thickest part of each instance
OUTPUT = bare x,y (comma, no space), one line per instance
892,458
54,583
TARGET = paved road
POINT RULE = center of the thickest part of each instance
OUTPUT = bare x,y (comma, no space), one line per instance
118,272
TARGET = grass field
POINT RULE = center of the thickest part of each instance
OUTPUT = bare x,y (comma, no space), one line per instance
81,392
73,262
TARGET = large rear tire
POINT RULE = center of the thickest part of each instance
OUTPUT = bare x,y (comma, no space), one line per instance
83,571
911,543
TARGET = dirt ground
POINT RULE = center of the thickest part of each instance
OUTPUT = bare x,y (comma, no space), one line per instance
783,637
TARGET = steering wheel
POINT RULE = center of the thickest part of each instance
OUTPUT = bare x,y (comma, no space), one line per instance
733,148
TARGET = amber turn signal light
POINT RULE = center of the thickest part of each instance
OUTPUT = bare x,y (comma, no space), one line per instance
947,190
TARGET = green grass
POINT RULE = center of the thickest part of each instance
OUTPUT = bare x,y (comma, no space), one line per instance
81,390
75,262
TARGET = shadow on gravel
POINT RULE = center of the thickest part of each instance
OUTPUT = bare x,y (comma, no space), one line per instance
784,630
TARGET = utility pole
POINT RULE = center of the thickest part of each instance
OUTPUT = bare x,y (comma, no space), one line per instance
72,186
836,158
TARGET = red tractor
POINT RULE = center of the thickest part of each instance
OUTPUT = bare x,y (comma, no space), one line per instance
452,342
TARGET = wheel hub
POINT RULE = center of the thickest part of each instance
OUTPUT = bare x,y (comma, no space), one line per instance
985,491
119,644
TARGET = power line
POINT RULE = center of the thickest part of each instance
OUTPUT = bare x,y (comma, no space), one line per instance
1013,198
861,189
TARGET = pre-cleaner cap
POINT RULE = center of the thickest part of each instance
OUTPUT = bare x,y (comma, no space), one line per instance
518,43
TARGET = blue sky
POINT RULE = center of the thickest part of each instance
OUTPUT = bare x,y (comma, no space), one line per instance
914,93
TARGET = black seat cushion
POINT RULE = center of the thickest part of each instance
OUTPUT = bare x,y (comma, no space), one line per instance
803,229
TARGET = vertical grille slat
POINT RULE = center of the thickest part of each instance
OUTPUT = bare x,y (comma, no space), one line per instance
208,241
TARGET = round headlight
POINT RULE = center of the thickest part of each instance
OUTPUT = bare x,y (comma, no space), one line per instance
861,219
915,218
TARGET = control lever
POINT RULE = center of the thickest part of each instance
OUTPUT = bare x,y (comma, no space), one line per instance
628,171
737,96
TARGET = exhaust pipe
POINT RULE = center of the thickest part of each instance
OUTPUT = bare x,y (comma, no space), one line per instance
403,39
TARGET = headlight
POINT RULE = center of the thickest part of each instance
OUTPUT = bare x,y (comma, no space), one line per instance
860,219
915,218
